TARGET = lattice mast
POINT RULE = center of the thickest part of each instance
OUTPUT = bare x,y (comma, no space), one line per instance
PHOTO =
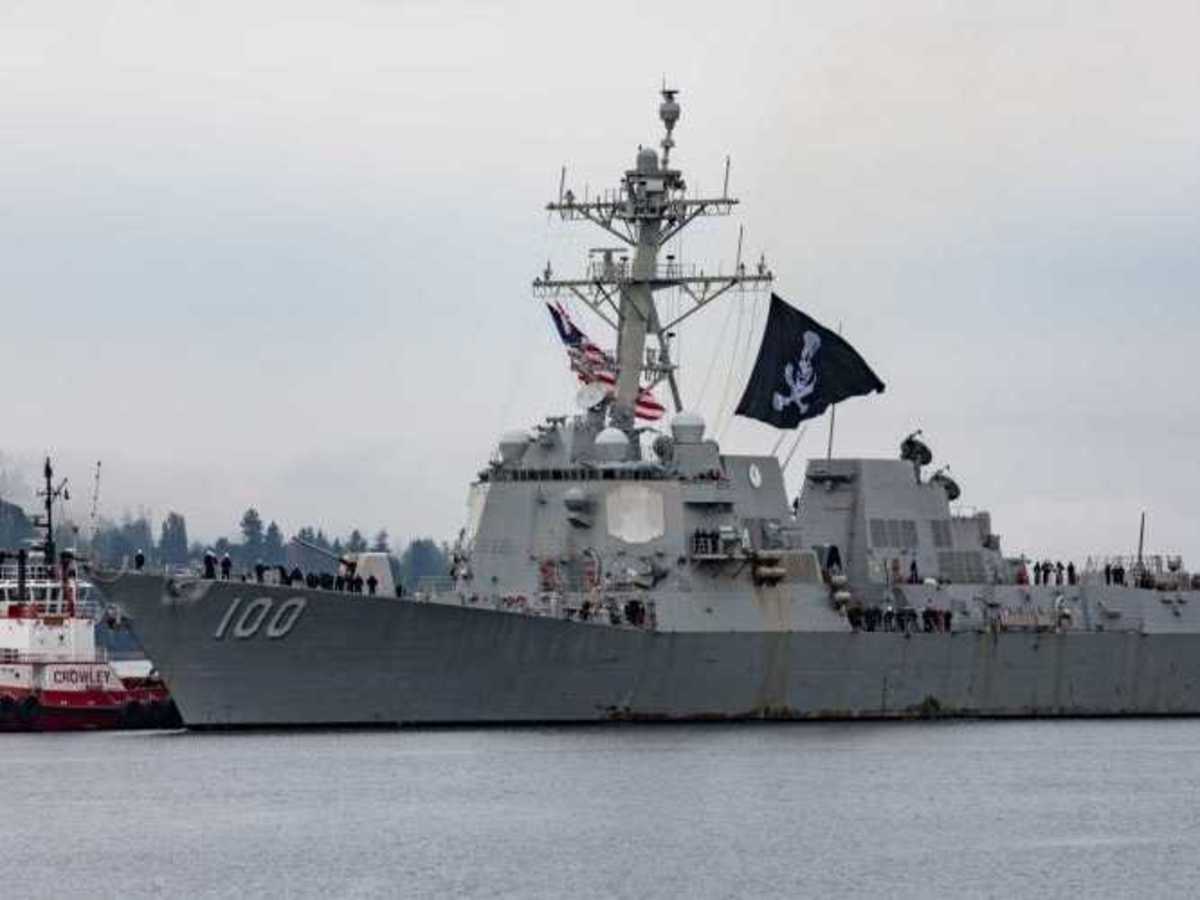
649,208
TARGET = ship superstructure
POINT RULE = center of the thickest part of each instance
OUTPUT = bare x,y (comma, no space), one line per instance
610,571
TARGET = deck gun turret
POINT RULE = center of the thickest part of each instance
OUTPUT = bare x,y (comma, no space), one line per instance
365,564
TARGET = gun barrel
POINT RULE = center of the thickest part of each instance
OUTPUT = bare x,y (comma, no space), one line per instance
323,551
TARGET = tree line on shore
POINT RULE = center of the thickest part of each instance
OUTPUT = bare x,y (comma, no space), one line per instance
112,543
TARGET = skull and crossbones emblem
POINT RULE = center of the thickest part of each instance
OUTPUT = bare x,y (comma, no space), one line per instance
801,378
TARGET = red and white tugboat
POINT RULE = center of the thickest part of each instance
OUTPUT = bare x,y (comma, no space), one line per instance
53,677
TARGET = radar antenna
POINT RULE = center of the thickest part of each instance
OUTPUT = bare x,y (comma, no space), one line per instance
650,207
916,452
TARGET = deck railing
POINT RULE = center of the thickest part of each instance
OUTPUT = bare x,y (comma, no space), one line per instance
10,655
80,609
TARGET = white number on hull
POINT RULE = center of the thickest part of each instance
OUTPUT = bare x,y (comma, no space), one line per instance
248,621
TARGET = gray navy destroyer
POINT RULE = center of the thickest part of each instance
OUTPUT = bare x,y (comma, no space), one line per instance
613,571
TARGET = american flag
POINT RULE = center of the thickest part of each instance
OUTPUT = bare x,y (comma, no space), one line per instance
592,365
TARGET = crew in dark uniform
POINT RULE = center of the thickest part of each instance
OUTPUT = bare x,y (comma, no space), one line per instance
226,567
210,565
139,560
260,572
372,584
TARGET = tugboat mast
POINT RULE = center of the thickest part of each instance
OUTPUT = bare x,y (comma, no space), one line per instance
50,493
649,209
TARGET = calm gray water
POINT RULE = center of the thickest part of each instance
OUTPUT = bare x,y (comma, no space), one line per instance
1096,808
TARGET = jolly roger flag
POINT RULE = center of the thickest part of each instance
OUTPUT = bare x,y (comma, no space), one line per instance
802,368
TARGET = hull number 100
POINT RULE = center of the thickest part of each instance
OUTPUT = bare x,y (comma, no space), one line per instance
244,622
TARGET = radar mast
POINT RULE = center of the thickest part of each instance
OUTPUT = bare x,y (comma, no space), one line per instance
649,208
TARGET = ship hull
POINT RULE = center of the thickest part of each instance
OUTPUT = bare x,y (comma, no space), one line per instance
354,660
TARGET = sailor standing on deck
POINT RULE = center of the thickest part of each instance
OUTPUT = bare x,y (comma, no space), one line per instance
226,567
210,565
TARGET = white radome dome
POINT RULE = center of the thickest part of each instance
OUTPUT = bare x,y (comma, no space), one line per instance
647,161
612,445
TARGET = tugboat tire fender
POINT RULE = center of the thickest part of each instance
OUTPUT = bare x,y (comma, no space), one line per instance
156,714
132,715
29,710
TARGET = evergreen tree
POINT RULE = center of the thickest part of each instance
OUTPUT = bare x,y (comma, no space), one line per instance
381,542
114,544
422,559
356,543
252,537
15,527
173,542
273,554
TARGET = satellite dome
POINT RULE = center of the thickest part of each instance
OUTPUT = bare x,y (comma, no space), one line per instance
647,161
688,428
612,445
512,446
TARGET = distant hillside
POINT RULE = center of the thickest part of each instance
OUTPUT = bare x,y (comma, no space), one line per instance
15,527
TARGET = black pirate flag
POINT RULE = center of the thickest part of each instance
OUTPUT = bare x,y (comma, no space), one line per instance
802,368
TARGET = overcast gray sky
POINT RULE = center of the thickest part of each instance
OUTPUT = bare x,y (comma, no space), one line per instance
279,254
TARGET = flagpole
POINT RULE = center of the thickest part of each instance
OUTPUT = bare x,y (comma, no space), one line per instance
832,419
